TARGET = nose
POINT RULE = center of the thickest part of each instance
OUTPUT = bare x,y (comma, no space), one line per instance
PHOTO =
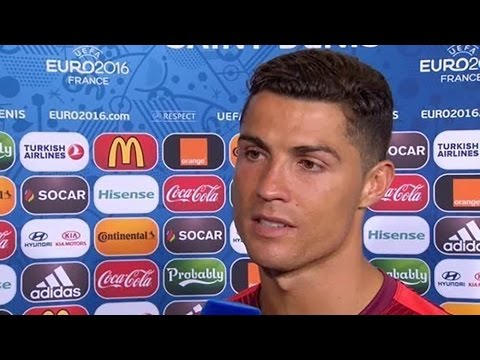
274,183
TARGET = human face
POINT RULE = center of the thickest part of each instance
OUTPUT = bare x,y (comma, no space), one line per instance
298,182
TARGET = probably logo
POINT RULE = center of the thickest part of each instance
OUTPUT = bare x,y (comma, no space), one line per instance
7,151
233,153
408,150
8,197
8,284
55,238
44,282
414,273
458,192
406,193
125,152
193,277
54,151
397,235
126,236
461,308
128,308
236,242
184,308
193,151
244,274
457,150
126,279
458,235
57,310
8,240
126,194
202,235
55,195
458,279
194,193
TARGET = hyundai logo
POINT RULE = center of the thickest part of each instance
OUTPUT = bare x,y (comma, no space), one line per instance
38,236
451,275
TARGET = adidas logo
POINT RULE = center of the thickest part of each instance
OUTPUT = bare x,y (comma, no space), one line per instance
466,239
56,286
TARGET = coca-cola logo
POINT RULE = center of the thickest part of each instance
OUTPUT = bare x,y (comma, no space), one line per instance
126,279
406,193
8,240
194,193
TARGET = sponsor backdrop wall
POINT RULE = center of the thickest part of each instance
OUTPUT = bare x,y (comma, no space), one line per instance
116,165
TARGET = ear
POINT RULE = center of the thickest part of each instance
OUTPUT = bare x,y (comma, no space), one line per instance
377,182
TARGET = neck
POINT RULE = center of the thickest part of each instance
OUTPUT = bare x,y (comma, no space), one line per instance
341,284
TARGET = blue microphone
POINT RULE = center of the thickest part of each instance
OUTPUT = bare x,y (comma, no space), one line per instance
218,307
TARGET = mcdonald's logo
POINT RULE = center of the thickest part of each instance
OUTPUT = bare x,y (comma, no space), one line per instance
125,152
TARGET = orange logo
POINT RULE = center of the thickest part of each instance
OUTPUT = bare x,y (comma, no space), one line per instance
126,236
7,195
466,192
253,274
234,150
193,152
458,308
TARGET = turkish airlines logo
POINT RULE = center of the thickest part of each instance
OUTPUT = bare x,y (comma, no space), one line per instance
54,151
8,240
194,193
126,279
52,195
406,193
125,152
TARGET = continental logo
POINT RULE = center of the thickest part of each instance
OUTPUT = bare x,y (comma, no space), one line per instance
125,152
184,308
201,235
128,308
198,151
461,308
244,274
55,195
57,310
458,192
414,273
8,198
126,236
8,240
194,277
233,152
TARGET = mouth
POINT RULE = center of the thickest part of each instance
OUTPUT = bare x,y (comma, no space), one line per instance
272,222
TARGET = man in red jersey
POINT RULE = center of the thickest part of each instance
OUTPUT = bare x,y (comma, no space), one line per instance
312,157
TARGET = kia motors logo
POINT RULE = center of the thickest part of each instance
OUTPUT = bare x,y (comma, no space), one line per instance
406,193
54,151
55,195
458,192
55,238
57,310
125,279
8,239
125,152
451,275
201,235
45,282
194,193
199,151
408,150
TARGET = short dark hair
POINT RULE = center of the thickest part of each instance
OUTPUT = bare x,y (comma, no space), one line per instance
325,75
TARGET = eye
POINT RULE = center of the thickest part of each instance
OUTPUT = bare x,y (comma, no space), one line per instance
252,154
310,165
